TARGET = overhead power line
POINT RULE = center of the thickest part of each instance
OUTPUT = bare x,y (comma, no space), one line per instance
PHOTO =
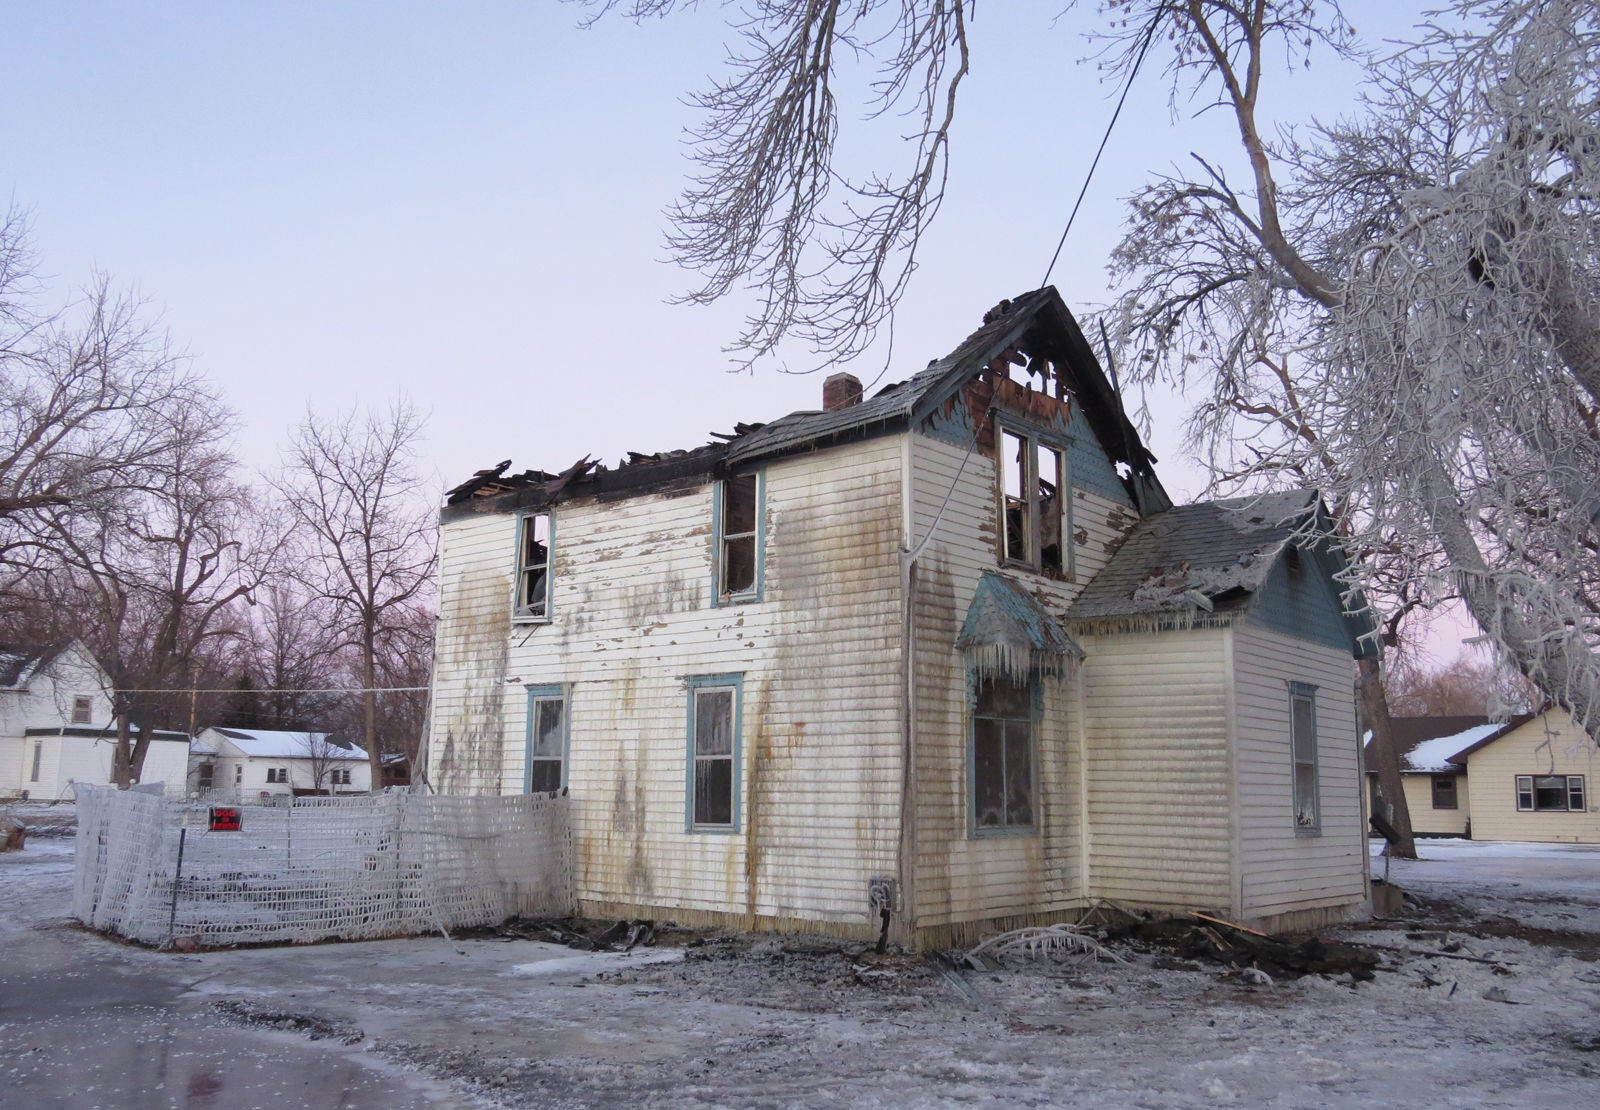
1149,34
284,690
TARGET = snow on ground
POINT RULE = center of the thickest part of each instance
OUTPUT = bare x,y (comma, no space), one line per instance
1466,1011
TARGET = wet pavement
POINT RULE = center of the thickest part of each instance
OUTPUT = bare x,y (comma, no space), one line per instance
89,1023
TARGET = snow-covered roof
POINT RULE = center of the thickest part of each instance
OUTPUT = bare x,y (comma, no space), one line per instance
1434,755
276,744
20,662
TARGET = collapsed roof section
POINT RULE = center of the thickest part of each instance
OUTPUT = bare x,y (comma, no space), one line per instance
1035,334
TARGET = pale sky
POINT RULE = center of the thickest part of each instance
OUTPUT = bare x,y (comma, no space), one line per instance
335,202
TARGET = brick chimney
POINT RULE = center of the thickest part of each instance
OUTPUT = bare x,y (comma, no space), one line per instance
840,391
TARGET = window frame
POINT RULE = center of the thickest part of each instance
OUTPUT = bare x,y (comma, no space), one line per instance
1304,691
557,692
1033,442
719,597
1454,790
82,709
1035,695
38,761
1568,793
695,685
519,608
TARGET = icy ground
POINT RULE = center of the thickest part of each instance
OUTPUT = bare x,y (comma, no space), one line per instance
1490,996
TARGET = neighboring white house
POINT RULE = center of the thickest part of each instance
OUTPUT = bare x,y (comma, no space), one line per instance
55,725
243,764
945,658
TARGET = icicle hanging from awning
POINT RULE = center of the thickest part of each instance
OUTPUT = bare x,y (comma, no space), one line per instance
1008,633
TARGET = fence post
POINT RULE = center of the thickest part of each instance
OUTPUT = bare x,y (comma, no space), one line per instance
177,878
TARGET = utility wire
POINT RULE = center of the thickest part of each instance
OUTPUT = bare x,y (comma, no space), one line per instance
1149,34
285,690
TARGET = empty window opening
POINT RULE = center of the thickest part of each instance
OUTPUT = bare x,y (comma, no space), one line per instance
82,710
1551,793
547,742
1033,479
1303,745
738,554
1002,755
1444,792
533,567
713,776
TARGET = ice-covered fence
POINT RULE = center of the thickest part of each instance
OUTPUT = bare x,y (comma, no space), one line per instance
317,868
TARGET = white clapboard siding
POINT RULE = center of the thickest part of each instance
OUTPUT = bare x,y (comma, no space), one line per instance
632,617
960,877
468,719
1160,827
1282,872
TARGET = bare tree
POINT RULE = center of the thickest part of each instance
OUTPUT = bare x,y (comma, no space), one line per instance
827,256
364,535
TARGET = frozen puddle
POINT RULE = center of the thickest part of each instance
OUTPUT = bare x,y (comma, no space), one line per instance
562,961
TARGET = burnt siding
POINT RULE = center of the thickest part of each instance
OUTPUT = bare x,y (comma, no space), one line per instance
632,617
961,878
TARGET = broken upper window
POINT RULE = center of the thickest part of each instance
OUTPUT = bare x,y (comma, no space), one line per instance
739,539
547,740
1303,748
533,567
714,752
1002,756
1033,492
1551,793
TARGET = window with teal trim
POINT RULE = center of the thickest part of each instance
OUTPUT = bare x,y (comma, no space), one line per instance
545,770
739,538
1303,750
1002,756
713,773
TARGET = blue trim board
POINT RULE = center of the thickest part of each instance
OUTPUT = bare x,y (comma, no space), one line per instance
693,683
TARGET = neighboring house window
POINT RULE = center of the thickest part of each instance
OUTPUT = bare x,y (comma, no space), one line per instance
341,776
82,708
533,567
1033,484
238,773
713,773
546,758
278,774
738,511
204,776
1551,793
1444,792
1002,756
38,754
1303,745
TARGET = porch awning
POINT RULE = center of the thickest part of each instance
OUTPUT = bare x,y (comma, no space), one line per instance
1008,633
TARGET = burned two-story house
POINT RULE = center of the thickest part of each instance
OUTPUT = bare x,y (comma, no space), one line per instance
947,652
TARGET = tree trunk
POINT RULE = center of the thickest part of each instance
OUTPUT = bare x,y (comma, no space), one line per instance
369,707
141,746
1389,799
122,758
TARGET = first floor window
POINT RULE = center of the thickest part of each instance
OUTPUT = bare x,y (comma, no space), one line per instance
547,740
1551,793
1303,749
38,756
341,776
533,567
714,752
238,773
1444,792
203,776
278,774
1002,755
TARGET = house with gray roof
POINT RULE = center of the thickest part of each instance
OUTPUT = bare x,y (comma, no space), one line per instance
926,663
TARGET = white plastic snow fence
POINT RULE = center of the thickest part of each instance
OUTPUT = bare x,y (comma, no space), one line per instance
309,869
